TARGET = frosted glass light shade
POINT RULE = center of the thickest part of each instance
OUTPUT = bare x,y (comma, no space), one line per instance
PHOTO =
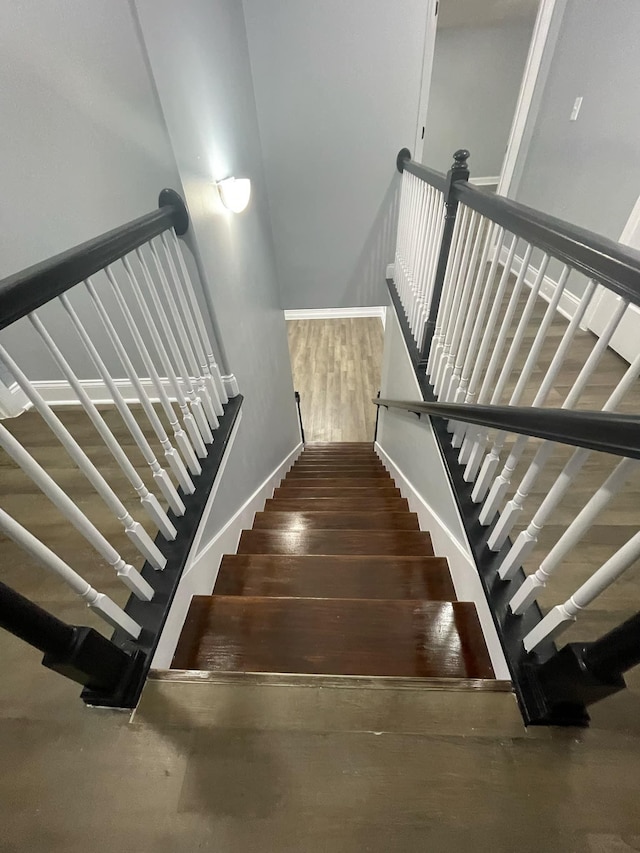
235,193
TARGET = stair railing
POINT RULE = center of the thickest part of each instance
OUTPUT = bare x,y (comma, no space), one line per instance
132,288
469,271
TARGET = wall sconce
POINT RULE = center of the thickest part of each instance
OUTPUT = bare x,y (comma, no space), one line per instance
235,193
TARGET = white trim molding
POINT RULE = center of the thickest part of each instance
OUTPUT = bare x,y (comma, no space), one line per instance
568,301
335,313
539,42
461,563
230,385
58,392
13,401
203,562
487,181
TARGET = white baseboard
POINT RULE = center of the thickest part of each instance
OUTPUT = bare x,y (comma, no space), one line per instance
58,392
461,563
202,565
568,301
336,313
13,401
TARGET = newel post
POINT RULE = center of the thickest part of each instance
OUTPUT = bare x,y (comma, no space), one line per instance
459,171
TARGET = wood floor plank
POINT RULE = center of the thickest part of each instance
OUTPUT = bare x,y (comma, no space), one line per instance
409,543
340,520
333,636
306,576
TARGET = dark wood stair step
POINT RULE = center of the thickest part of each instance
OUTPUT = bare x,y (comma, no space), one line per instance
333,637
346,462
306,576
338,504
337,445
407,543
292,491
319,520
341,482
334,473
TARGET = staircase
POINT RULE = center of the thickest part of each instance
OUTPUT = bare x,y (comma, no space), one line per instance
335,578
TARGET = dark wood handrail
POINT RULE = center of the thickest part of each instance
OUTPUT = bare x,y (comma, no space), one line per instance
608,432
31,288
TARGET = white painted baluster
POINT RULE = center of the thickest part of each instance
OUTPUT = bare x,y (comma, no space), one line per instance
179,291
526,541
417,234
399,267
456,286
480,439
423,261
490,464
184,341
546,449
132,579
134,530
184,441
486,335
510,514
405,257
195,403
148,501
96,601
160,476
560,617
495,240
172,456
469,305
614,483
432,266
451,273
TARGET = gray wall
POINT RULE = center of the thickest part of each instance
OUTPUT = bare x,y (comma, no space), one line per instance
83,146
588,171
337,86
199,58
474,88
410,441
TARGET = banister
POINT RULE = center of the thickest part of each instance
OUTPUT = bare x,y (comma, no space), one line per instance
31,288
611,263
607,432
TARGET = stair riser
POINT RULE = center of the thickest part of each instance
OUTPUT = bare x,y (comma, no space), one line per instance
335,473
340,482
335,521
413,578
292,492
313,504
399,543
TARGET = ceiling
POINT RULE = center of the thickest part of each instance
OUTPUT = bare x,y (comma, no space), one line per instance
477,13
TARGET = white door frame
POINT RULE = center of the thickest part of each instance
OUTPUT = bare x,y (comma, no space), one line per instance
532,67
425,84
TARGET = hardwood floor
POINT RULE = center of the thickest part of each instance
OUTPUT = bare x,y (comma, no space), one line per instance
336,368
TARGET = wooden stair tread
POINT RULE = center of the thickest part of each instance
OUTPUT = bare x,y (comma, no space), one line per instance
400,638
312,504
394,542
334,473
341,520
293,490
305,576
342,482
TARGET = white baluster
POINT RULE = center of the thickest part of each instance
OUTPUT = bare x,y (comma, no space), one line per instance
546,449
131,578
526,541
424,237
184,340
159,474
456,286
198,423
183,440
486,336
133,529
148,501
560,617
453,261
471,296
480,330
432,267
96,601
205,373
172,456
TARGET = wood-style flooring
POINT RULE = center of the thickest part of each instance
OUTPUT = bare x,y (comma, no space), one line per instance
279,605
336,368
